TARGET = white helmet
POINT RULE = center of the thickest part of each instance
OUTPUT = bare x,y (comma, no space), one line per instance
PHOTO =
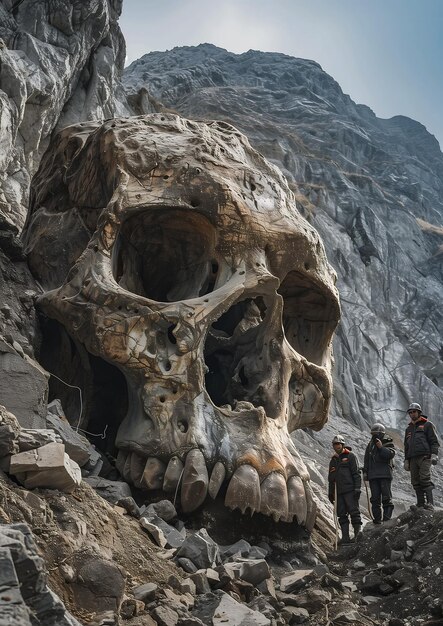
414,406
338,439
378,428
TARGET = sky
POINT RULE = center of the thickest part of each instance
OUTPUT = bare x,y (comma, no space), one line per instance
387,54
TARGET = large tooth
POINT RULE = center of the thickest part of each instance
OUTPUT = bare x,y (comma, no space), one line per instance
217,478
195,481
297,505
137,466
173,474
274,496
312,508
153,473
244,489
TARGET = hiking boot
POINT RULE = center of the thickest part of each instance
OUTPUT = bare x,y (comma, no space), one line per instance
420,498
387,512
429,499
345,538
358,535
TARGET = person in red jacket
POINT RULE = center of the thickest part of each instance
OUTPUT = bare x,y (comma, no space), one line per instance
345,481
421,451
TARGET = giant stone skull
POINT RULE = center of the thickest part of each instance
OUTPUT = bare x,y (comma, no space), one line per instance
174,251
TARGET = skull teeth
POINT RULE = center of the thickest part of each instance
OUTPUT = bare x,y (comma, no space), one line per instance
173,474
153,474
217,478
297,504
195,481
274,496
244,489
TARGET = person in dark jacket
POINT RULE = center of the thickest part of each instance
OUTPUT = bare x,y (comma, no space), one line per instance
345,483
421,451
377,468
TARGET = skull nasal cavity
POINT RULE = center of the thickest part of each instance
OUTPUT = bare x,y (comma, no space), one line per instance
231,355
166,255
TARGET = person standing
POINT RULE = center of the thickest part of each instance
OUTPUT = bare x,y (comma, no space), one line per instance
377,468
421,451
345,482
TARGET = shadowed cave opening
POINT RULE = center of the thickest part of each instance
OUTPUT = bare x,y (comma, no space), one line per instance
231,352
104,394
310,316
166,255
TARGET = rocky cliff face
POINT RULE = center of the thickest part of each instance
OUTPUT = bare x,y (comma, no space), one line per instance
372,187
59,64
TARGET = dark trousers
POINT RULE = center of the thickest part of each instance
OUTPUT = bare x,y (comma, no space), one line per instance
420,467
347,505
381,496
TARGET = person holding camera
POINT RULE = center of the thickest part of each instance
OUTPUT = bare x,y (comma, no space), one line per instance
377,469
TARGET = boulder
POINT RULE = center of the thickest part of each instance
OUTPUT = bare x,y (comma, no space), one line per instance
164,534
31,438
297,580
111,490
99,584
48,466
165,616
231,612
77,446
9,433
23,386
201,549
163,509
23,583
146,593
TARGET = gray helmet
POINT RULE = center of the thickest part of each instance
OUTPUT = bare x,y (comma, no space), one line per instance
414,406
378,428
338,439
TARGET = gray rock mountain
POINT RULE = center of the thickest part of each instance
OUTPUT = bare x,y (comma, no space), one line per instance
372,187
59,63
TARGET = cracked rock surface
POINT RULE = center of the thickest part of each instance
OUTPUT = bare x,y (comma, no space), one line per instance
59,63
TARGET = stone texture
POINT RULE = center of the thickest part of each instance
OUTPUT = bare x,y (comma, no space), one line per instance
233,613
23,385
59,63
165,616
31,438
9,433
99,585
23,579
164,534
77,446
372,187
48,466
164,509
111,490
296,580
200,549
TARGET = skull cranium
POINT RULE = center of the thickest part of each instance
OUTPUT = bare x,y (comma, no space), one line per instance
182,261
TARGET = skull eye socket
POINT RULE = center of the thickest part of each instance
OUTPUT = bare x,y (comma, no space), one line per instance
167,255
310,316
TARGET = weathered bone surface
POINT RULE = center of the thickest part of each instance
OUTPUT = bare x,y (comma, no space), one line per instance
172,250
